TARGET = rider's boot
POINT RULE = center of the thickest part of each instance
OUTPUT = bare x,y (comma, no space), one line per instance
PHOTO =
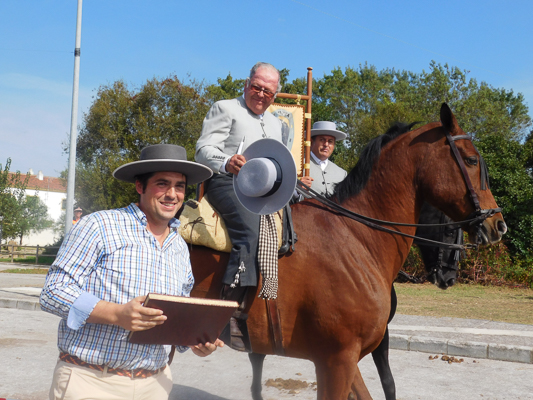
236,332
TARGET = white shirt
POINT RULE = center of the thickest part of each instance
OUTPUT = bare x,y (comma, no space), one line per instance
323,164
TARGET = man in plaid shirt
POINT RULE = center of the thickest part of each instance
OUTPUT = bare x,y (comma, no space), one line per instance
107,264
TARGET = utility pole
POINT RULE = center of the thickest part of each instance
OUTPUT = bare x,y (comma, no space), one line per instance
73,126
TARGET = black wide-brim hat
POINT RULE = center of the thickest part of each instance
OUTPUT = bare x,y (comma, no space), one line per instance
164,158
261,194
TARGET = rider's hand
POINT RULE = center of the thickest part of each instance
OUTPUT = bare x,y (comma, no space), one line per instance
235,164
307,180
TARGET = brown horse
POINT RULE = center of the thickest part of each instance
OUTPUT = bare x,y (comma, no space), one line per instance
441,265
334,290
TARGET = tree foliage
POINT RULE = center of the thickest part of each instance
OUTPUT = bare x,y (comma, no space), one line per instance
20,214
32,217
12,189
363,102
122,121
512,186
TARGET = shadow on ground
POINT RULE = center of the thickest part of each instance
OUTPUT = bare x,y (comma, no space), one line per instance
181,392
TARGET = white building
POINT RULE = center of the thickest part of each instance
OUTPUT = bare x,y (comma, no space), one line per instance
53,193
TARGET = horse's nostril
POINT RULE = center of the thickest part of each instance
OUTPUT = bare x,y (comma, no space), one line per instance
502,227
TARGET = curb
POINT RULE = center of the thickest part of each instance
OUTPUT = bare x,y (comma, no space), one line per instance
490,351
28,305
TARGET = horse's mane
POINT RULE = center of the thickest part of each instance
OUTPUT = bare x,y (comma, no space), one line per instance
359,175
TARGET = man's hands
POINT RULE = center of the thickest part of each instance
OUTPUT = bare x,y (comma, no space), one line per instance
235,164
203,350
307,180
132,316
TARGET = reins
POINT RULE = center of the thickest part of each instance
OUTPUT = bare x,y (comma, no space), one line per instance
373,223
476,218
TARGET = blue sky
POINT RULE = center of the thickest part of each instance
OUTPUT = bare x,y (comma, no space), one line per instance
136,40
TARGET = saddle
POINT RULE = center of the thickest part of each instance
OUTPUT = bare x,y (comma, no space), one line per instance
202,226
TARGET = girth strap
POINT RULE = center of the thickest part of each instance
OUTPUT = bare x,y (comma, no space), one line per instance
274,322
292,237
288,237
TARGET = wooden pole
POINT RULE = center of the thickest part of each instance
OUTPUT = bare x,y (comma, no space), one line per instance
307,144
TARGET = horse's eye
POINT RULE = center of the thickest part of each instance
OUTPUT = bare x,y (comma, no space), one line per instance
471,160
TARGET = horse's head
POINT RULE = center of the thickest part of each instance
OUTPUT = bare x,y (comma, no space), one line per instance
441,263
453,178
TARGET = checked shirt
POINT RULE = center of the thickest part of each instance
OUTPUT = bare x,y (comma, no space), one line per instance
111,256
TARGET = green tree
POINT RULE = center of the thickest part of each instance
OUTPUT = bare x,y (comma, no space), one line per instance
122,121
227,88
512,186
33,217
364,102
12,189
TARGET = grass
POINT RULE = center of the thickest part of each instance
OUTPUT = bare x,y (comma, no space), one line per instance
493,303
39,271
44,260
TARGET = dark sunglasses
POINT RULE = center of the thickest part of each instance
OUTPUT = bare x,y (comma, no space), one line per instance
267,93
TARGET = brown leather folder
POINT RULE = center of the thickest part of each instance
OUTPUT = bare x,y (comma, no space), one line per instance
189,320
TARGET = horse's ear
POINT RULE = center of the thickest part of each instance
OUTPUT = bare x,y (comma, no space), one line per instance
447,118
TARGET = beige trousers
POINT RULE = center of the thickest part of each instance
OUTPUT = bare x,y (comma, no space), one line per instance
72,382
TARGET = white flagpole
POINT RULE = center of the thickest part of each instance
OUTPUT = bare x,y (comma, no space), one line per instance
73,126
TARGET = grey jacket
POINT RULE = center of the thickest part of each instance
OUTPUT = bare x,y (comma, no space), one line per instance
226,123
324,181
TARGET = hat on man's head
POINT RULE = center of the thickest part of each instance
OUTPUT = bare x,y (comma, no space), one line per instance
327,128
163,158
78,209
266,182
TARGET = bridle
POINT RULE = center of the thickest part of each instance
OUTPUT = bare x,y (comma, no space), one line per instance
474,219
479,215
452,261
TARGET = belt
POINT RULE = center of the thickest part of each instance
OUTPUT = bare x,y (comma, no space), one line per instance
132,373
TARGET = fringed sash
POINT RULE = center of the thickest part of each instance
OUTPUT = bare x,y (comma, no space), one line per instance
267,256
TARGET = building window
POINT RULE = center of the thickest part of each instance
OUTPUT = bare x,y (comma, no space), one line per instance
64,204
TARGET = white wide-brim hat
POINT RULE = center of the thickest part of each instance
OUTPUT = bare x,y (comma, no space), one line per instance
266,182
163,158
327,128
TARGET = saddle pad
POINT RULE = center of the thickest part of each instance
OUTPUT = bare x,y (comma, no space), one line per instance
201,225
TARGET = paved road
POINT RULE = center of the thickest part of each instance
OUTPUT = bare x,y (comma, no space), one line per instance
28,352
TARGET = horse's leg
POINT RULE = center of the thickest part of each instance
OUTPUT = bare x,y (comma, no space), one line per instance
393,304
257,367
339,378
359,389
381,359
381,355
